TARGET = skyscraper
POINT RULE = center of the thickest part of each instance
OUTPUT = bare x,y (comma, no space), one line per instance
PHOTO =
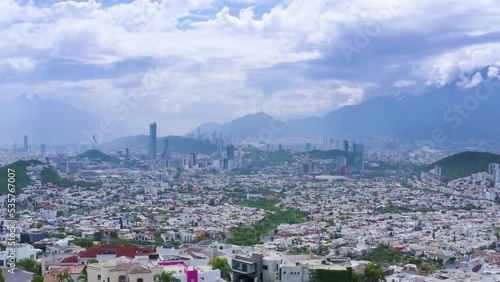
358,151
230,152
192,160
166,151
26,146
492,167
152,141
341,164
43,149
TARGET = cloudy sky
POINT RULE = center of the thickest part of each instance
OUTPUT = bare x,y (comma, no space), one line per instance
184,62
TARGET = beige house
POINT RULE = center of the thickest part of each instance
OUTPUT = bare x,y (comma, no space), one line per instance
123,269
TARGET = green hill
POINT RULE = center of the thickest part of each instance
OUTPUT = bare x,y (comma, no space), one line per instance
464,164
98,155
22,179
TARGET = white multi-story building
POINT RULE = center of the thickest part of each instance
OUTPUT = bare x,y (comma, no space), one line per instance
492,168
49,213
496,176
22,251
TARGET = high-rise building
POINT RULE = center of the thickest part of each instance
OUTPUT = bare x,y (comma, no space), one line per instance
308,168
308,146
166,151
199,132
358,151
26,145
341,164
214,137
239,158
192,160
43,149
127,153
230,152
497,176
438,170
492,167
158,177
152,141
341,145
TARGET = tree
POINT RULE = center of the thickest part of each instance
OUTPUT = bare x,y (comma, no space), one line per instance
63,276
2,278
84,243
92,260
166,277
29,265
373,273
222,264
83,276
37,278
98,236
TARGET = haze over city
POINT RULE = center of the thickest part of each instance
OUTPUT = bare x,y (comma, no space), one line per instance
249,141
199,61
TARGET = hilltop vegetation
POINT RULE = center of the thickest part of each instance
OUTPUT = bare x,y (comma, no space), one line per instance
464,164
97,155
247,236
22,179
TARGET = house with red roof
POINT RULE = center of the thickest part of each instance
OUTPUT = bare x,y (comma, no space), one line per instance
111,251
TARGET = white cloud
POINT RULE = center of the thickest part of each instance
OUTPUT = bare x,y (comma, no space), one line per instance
493,72
466,82
444,68
208,60
403,83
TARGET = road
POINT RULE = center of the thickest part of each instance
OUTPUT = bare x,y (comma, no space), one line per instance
18,276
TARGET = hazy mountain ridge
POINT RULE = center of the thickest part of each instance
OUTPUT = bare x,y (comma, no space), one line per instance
44,121
409,118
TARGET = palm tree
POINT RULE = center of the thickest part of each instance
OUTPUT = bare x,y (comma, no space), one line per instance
166,277
222,264
63,276
84,276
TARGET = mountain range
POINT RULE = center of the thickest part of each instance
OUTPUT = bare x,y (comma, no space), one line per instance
459,114
44,121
